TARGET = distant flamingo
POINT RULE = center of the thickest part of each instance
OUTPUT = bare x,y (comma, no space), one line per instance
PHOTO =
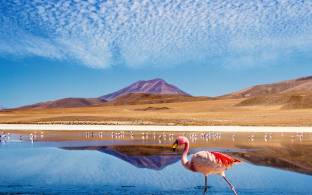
206,162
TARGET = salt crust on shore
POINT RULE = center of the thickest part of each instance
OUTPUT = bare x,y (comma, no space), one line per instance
152,128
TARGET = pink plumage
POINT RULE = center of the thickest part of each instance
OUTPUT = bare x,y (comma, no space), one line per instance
206,162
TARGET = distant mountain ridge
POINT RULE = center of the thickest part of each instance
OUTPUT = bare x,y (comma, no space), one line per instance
296,93
67,103
150,91
289,94
154,86
295,85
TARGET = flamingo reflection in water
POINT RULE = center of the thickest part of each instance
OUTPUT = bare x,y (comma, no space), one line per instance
206,162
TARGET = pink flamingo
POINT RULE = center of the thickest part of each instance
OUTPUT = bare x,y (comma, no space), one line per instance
206,162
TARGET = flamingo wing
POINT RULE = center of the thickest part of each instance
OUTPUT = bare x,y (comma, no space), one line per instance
210,162
224,158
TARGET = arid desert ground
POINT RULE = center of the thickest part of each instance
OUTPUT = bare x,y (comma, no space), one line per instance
208,112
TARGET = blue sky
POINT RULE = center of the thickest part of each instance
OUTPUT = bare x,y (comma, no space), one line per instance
54,49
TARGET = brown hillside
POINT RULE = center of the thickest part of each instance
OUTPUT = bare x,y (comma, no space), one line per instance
294,100
144,98
296,85
66,103
129,99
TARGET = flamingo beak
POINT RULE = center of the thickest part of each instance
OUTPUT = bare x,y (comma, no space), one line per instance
174,146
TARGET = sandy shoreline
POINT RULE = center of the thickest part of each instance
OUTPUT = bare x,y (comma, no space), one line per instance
151,128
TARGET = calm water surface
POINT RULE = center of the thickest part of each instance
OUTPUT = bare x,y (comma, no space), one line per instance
41,162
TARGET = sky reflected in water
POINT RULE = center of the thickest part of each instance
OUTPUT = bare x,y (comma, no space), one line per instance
128,162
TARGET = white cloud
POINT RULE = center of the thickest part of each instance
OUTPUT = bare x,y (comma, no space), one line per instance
93,53
157,33
248,53
29,45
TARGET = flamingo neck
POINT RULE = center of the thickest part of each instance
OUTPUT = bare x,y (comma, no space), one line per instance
184,160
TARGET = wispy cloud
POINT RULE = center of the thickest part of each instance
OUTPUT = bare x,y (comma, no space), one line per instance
156,33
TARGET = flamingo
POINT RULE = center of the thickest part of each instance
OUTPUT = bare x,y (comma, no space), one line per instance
206,162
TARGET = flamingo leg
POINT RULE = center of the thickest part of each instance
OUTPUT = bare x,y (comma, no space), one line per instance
231,186
206,185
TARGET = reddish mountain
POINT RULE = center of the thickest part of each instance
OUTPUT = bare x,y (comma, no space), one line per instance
296,85
155,86
67,103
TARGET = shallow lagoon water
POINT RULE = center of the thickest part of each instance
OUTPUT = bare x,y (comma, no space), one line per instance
142,163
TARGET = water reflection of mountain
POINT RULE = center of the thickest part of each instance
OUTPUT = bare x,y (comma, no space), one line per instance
151,157
287,151
292,157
